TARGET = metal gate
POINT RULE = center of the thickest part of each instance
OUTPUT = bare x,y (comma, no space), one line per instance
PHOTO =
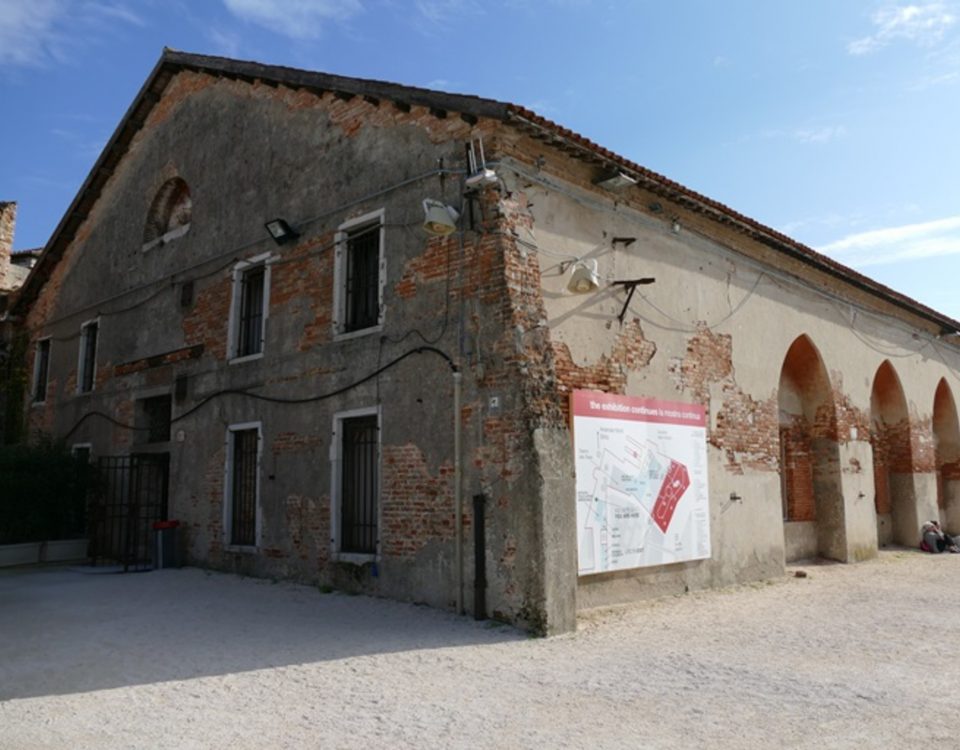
130,496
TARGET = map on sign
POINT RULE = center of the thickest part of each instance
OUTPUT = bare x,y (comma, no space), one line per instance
641,470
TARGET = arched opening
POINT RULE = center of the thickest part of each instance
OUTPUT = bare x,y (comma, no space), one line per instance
895,494
170,213
809,457
946,438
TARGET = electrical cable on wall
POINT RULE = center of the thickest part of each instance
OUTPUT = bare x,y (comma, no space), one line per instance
274,399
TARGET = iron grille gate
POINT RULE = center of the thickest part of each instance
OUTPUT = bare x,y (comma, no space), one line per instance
130,496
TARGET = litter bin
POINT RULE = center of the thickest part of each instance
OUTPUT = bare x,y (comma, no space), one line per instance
165,544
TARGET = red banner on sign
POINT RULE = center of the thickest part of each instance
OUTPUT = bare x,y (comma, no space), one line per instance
613,406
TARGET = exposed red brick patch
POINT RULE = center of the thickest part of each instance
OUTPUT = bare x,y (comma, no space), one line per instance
416,506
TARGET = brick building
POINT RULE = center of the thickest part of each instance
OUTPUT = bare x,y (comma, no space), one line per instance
334,397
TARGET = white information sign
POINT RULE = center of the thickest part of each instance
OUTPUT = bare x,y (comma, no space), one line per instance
642,494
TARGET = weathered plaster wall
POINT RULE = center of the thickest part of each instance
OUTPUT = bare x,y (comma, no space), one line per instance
715,329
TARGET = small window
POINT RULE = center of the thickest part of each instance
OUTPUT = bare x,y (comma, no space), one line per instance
251,284
86,374
243,475
154,419
360,274
357,482
41,371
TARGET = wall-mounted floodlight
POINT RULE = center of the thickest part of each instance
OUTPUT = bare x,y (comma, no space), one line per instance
439,219
584,277
281,231
614,181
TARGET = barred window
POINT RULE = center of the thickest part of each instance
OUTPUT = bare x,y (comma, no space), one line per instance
88,356
243,473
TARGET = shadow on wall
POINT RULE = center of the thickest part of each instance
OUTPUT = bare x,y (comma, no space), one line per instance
70,630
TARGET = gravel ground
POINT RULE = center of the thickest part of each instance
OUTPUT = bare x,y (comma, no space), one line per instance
851,656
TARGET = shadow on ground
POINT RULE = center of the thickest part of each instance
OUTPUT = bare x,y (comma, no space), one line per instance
66,630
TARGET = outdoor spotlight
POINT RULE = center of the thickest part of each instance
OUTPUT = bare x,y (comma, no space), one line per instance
614,181
439,219
281,231
584,277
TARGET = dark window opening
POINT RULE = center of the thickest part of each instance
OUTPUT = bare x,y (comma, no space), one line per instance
156,418
42,370
88,361
243,488
250,318
363,278
359,486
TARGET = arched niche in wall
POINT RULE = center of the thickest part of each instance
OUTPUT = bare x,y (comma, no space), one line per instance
895,498
809,457
170,214
946,437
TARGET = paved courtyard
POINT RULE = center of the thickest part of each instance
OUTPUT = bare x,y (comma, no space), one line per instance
850,656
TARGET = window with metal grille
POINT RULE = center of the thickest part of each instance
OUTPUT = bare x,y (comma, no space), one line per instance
155,419
362,292
250,312
41,371
244,449
88,356
359,488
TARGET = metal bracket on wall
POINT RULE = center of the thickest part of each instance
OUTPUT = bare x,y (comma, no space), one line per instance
631,286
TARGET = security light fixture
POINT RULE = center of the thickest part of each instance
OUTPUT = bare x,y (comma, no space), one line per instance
614,181
584,277
281,231
439,219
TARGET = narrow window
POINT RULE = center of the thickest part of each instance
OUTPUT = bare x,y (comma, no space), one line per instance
248,313
359,485
155,419
41,371
359,274
363,278
243,471
250,329
88,357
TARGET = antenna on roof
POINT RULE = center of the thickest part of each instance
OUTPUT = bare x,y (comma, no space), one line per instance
480,175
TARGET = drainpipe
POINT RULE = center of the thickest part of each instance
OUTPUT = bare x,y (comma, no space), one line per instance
457,498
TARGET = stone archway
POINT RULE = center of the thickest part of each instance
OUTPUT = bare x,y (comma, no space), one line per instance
895,493
946,437
813,512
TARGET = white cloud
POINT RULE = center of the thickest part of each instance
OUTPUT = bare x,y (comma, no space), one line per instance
819,135
37,32
898,244
113,11
226,43
445,13
298,19
923,24
27,31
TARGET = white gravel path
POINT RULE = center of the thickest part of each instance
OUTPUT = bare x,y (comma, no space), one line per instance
861,656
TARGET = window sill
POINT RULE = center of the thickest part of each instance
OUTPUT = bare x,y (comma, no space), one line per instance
241,549
345,336
355,558
245,358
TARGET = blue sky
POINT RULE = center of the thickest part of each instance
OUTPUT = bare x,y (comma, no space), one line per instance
834,122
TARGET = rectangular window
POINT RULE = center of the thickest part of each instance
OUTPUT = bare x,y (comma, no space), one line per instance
41,371
243,473
359,489
88,356
248,314
155,419
360,272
